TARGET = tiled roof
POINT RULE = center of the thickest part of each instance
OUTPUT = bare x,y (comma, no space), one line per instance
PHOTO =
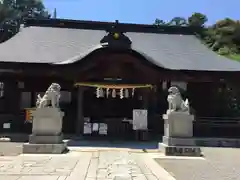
65,45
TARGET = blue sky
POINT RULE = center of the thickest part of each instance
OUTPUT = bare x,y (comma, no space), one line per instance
142,11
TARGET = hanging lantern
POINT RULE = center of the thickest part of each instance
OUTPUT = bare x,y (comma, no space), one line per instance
121,94
114,93
98,92
133,91
126,94
107,92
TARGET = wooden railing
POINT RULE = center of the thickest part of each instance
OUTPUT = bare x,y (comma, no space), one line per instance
218,121
217,127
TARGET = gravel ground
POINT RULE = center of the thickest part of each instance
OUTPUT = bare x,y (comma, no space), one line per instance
219,164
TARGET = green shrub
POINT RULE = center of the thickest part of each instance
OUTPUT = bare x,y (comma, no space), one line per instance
224,50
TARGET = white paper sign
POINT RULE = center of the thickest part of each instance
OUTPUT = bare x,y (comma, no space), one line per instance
87,128
95,127
103,128
6,125
140,119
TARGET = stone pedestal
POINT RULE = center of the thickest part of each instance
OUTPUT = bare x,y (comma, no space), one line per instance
178,133
178,124
46,134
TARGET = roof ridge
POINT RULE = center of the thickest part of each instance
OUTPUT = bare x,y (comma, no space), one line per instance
100,25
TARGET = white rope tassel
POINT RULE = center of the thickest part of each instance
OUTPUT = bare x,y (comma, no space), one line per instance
133,90
98,92
121,93
107,92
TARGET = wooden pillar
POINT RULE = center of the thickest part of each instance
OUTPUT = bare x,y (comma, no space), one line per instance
12,97
145,94
80,118
33,98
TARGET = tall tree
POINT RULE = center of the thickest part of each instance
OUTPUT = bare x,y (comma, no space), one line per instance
5,12
197,19
159,22
236,37
178,21
31,9
223,34
14,12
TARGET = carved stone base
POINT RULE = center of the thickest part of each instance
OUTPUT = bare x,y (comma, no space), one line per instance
44,148
45,139
180,150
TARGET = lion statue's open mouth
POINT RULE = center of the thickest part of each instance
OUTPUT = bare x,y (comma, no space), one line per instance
175,101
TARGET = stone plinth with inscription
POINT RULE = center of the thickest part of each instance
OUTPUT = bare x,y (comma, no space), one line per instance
178,128
46,134
178,135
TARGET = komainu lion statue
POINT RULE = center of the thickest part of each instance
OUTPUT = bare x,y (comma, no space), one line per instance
51,97
175,101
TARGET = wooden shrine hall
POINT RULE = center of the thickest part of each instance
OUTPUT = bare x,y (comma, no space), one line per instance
108,69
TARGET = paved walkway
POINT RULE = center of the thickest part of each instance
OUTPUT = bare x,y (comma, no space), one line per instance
218,163
92,165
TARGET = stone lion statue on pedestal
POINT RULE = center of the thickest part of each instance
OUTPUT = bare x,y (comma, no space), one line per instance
51,97
175,101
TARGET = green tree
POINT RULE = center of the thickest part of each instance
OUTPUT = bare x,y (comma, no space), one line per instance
224,36
31,9
178,21
159,22
236,35
197,19
14,12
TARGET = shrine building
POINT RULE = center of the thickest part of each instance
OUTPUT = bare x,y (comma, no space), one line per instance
108,69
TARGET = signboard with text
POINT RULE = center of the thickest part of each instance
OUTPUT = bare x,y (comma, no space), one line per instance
140,119
28,115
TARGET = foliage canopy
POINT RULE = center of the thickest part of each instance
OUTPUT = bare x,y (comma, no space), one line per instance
13,13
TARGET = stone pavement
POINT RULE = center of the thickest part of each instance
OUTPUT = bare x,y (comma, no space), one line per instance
91,165
218,163
10,148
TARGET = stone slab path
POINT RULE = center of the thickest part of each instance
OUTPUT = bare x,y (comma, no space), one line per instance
92,165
